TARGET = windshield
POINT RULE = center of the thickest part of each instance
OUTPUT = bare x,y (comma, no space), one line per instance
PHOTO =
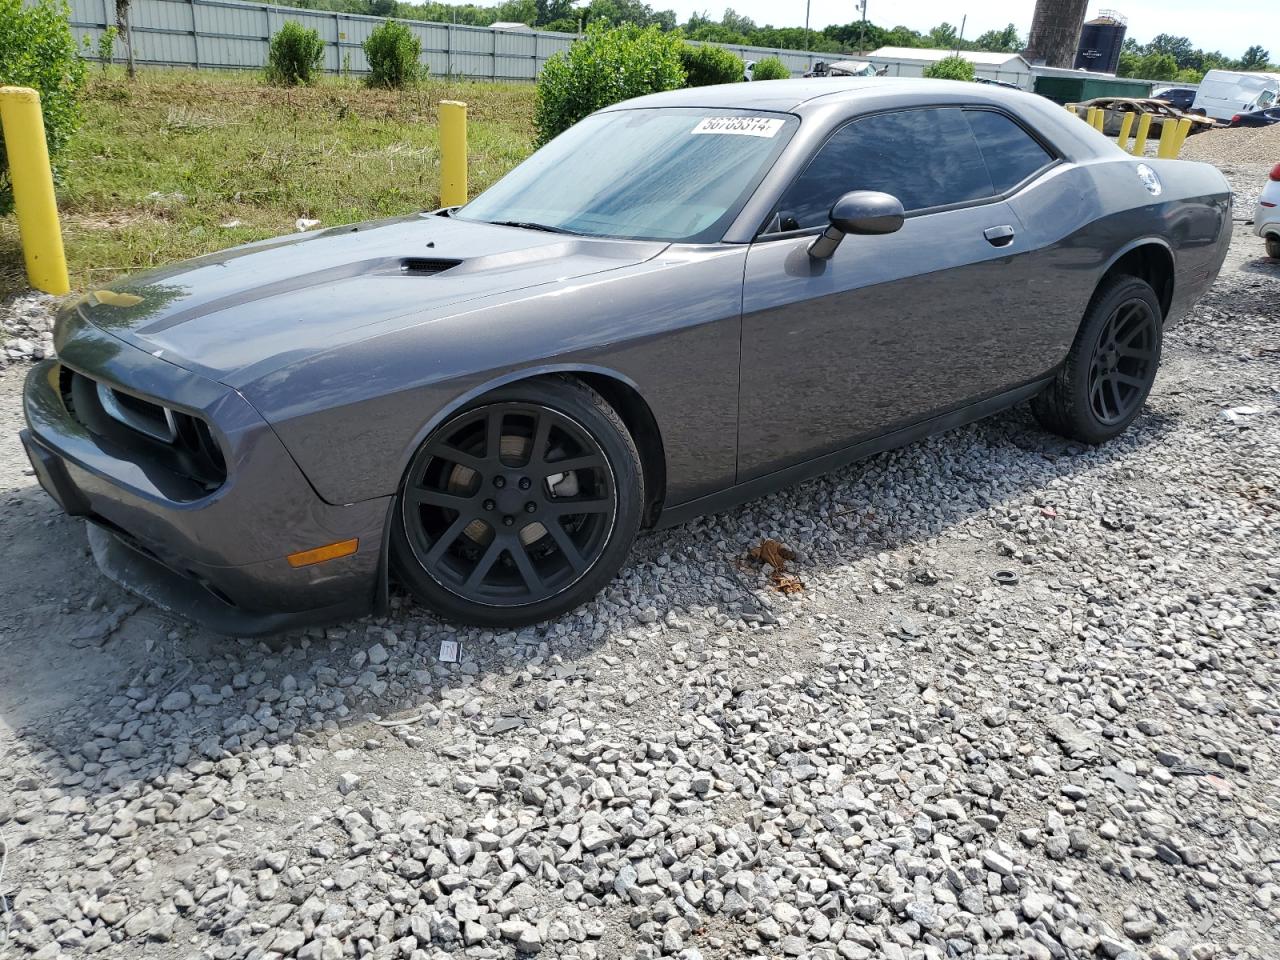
676,174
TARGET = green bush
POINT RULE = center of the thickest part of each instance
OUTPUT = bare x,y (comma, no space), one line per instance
606,66
294,55
705,65
393,51
770,68
950,68
38,51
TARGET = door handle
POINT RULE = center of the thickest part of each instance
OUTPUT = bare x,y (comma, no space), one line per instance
1000,236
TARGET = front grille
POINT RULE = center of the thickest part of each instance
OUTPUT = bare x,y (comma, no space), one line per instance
147,433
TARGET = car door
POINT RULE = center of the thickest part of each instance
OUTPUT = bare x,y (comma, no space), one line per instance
896,328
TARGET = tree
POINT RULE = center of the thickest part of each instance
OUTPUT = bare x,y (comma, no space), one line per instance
126,34
736,22
1130,63
548,10
1177,47
944,36
904,37
382,8
1000,41
1255,58
1157,66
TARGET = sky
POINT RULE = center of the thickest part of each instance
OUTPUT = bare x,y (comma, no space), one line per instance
1228,25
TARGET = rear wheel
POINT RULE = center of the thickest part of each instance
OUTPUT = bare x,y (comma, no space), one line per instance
1273,247
1111,366
520,507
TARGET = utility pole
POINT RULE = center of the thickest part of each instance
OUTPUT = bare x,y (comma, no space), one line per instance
960,39
808,41
862,31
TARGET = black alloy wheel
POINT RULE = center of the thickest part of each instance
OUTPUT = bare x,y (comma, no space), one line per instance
1109,371
1124,359
519,507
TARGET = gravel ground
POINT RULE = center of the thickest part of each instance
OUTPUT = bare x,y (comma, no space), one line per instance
1235,146
907,759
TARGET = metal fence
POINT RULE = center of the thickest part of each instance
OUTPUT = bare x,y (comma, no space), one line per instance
224,34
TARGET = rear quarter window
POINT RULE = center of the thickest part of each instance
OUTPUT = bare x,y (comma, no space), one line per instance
1012,155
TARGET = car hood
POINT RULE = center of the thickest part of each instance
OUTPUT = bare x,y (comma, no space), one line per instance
245,312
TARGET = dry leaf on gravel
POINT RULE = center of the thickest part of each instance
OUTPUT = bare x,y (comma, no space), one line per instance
775,555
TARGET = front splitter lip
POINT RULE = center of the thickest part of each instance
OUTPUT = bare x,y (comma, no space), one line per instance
147,577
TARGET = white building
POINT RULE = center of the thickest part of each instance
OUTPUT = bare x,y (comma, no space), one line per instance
911,62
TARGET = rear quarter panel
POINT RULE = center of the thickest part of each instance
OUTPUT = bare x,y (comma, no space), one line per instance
1081,218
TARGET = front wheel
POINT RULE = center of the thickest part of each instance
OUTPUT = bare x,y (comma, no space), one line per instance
1112,364
520,507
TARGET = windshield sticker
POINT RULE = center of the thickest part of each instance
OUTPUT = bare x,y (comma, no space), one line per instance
741,126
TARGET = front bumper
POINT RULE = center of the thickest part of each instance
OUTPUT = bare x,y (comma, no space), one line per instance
219,559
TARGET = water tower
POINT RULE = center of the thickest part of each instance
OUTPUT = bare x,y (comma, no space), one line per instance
1101,41
1055,32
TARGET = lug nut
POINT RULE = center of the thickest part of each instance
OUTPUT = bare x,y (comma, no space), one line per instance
530,507
524,483
508,521
489,504
499,482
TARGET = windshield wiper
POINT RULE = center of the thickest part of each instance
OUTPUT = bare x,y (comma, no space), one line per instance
530,225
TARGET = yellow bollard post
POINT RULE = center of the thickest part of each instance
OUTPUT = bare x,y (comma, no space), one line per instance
33,196
1091,117
1125,126
453,153
1168,140
1100,120
1140,139
1184,129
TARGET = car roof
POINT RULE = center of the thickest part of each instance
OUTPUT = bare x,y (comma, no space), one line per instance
791,96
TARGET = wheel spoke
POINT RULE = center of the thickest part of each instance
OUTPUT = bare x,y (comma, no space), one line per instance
570,507
1135,354
425,496
493,435
1130,380
541,436
452,454
590,461
445,540
490,556
525,566
1127,334
566,545
1115,396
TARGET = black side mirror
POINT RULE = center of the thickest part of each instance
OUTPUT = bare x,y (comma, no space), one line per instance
864,212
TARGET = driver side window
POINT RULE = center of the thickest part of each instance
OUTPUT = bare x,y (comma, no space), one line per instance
926,158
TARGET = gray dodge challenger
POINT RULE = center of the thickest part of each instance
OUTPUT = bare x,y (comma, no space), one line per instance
685,301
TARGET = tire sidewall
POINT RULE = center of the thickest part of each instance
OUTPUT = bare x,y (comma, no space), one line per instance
578,402
1087,424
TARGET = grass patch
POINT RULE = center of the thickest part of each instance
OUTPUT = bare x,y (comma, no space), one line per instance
161,164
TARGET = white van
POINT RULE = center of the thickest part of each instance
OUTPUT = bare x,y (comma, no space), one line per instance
1224,93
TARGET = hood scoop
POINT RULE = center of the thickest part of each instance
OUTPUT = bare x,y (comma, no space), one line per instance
426,266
